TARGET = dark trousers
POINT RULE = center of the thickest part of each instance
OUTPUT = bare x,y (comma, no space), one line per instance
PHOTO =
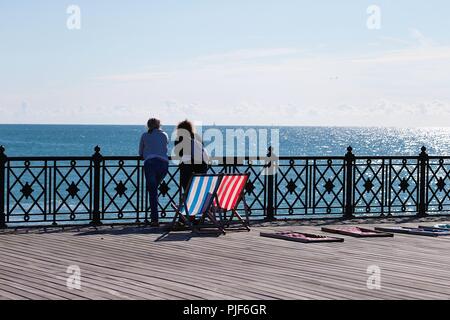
187,170
155,170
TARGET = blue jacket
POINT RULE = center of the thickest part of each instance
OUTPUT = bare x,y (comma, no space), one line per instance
154,145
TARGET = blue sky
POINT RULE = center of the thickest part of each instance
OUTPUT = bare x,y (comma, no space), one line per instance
231,62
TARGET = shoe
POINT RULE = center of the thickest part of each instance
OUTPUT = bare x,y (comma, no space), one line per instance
154,224
179,226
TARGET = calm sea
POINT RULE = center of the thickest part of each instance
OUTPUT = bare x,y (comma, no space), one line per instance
62,140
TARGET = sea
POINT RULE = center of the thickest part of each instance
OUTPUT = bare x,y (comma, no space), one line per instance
123,140
118,140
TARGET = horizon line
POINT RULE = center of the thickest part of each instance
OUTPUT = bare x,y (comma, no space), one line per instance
222,125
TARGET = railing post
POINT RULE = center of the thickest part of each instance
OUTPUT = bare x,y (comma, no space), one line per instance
423,162
349,161
96,160
270,176
3,159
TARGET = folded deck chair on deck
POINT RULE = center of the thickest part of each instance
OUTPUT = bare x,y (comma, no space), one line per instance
197,201
229,195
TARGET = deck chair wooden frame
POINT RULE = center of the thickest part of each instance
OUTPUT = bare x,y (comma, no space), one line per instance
227,222
183,214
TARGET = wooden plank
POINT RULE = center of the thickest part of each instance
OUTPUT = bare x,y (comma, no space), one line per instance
127,263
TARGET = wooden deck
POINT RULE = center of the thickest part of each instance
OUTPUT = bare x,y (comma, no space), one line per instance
128,263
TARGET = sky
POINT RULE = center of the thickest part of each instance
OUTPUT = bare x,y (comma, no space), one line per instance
253,62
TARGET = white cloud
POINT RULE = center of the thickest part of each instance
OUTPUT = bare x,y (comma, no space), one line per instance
137,76
408,55
407,86
420,38
248,54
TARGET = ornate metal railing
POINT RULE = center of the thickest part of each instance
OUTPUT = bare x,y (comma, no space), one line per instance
36,191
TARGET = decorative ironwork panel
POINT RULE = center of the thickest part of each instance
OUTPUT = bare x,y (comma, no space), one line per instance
369,187
292,182
120,189
328,183
403,179
26,192
70,184
438,185
309,187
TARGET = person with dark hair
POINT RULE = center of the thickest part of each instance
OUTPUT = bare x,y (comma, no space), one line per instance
189,148
153,149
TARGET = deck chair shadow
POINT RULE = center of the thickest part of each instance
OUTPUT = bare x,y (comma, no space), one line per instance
230,194
195,211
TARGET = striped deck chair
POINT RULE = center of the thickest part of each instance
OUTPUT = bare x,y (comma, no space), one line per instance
197,202
230,193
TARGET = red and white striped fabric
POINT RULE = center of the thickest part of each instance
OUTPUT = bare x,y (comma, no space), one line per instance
229,190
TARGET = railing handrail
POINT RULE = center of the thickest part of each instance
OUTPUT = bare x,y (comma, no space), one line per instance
223,159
